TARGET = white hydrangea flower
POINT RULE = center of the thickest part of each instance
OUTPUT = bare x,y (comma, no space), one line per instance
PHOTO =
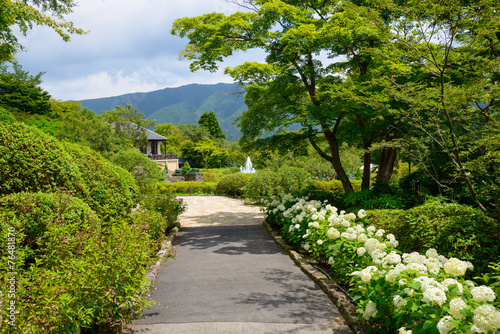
486,317
455,267
403,330
434,294
482,294
361,214
432,253
362,237
457,305
319,242
371,245
333,233
367,273
445,325
314,217
377,256
392,258
433,265
451,281
306,247
350,216
370,310
371,230
393,273
421,268
380,233
361,251
414,258
297,226
399,301
409,291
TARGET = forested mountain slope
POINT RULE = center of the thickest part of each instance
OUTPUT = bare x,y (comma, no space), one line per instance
183,105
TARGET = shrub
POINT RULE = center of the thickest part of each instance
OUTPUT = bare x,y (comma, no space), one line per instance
454,230
112,190
289,180
230,184
139,165
186,168
34,161
70,271
331,191
6,117
187,188
397,293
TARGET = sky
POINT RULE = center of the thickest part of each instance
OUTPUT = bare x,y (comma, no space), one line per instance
128,49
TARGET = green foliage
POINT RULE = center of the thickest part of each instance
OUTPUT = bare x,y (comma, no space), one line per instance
129,123
287,180
20,92
187,188
23,17
186,168
6,117
331,191
205,153
209,121
232,184
112,191
34,161
67,262
454,230
139,165
370,199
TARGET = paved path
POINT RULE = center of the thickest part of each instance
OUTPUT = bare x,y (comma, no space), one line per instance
229,276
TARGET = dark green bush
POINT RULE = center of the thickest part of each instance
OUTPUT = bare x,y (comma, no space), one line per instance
454,230
112,190
70,271
331,191
287,180
231,185
31,160
139,165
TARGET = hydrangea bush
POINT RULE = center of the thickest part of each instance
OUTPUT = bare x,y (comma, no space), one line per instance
396,292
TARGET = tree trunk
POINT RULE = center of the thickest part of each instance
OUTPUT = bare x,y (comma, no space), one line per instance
337,165
386,165
367,159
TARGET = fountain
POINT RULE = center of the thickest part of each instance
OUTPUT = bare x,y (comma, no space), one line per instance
248,167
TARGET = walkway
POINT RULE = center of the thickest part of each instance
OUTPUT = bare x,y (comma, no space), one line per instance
229,276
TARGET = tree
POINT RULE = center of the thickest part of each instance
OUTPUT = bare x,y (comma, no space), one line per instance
295,87
209,121
129,123
173,134
205,152
443,65
24,14
20,91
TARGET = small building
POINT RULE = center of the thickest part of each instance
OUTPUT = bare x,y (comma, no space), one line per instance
153,150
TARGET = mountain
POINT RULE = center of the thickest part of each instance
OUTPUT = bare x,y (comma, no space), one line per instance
183,105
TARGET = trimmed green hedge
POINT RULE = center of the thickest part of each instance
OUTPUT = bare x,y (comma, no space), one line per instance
187,187
111,189
72,271
33,161
454,230
232,184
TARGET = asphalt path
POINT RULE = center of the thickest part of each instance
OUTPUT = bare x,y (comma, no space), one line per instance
234,279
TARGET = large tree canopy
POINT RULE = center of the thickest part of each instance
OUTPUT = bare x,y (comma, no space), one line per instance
25,14
297,85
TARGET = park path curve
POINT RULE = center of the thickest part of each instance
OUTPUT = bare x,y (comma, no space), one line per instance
229,276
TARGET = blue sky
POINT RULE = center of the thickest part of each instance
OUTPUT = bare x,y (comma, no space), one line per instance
128,49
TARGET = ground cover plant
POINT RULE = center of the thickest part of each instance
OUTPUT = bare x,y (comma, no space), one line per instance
395,292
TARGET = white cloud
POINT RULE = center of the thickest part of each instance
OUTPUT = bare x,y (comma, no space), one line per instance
129,48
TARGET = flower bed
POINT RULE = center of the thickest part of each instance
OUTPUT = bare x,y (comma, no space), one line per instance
394,292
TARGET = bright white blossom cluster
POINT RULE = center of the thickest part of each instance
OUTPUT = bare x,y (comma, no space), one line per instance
410,278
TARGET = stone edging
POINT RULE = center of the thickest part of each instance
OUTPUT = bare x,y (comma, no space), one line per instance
166,250
345,306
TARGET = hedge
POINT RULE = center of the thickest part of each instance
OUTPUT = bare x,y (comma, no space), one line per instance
188,187
70,272
232,184
454,230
